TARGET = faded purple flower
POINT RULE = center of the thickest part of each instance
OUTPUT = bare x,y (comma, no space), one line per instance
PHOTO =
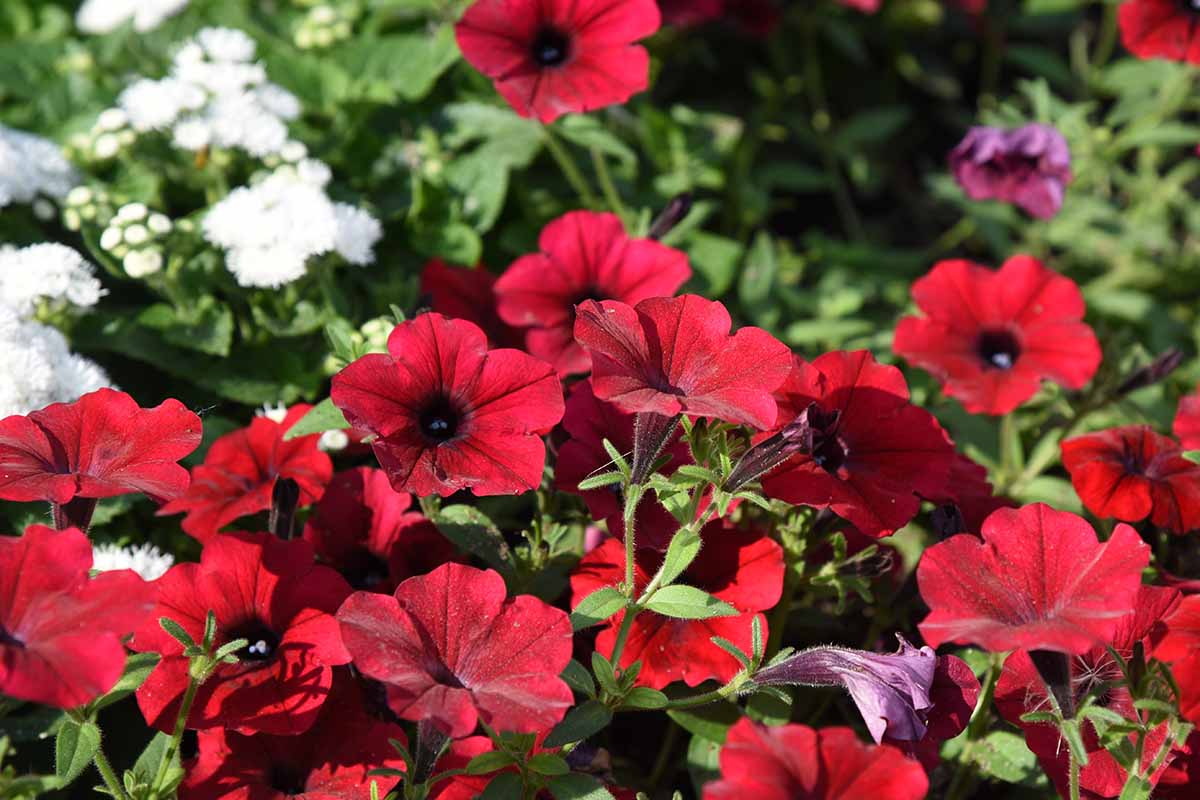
1028,166
891,690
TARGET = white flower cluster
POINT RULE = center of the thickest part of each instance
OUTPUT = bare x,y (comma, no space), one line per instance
272,227
32,167
215,96
39,368
109,134
135,236
323,25
144,559
85,204
51,272
102,16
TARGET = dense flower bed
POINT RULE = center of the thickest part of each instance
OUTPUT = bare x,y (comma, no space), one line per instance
589,399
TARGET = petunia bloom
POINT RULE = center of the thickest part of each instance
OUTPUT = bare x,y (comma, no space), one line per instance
742,568
1038,580
674,355
241,468
264,590
1179,645
1021,690
449,414
552,57
1131,473
1186,426
1029,167
796,762
952,696
1161,29
584,256
101,445
452,650
329,761
370,533
470,294
60,632
891,690
992,337
871,455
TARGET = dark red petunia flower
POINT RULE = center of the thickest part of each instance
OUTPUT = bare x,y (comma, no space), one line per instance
590,421
970,491
674,355
796,762
686,13
1187,421
264,590
60,632
1179,645
584,256
329,761
1021,690
450,414
1038,580
991,337
370,533
101,445
239,473
1161,29
1131,473
743,568
470,294
452,650
954,693
553,57
873,453
1179,780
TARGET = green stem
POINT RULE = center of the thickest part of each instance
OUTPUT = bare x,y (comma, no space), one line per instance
569,170
608,188
980,718
1107,39
663,760
185,711
1008,450
623,634
1074,774
106,772
633,496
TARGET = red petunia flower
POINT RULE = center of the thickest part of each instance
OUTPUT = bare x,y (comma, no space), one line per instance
1187,421
60,633
552,57
369,532
264,590
1038,580
1179,645
873,454
743,568
1161,29
795,762
970,491
329,761
584,256
1131,473
101,445
239,473
954,693
674,355
991,337
590,421
452,650
470,294
686,13
449,413
1021,690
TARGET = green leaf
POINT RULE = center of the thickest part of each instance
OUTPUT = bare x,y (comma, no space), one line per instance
577,787
579,679
605,676
711,722
732,649
758,272
681,552
177,632
505,786
74,748
548,764
206,327
769,708
873,125
405,65
146,767
490,761
324,416
703,762
716,261
138,667
1004,756
597,607
588,132
644,697
600,481
472,530
688,602
580,723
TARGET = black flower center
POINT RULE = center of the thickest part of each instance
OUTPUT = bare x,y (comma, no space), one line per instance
999,349
1192,6
829,451
288,780
8,639
439,421
551,47
443,674
262,642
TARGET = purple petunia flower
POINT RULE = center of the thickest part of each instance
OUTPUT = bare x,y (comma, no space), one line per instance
1028,166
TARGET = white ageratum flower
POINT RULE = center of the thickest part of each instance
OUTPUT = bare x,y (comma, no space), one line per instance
39,368
333,441
140,263
277,413
144,559
357,233
154,105
31,166
103,16
46,272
